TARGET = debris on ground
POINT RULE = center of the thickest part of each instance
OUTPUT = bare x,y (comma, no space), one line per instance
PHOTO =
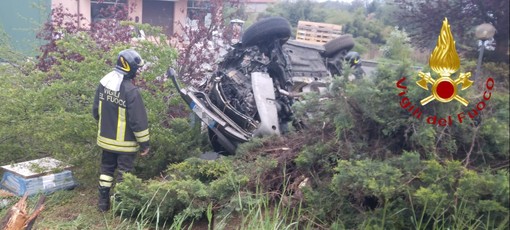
18,217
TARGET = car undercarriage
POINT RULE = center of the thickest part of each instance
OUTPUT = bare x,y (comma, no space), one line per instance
252,92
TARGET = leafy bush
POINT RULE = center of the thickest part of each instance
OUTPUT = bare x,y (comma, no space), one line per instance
397,46
49,113
431,194
366,165
186,191
362,177
363,162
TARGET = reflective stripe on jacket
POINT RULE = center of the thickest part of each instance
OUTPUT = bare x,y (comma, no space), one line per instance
122,119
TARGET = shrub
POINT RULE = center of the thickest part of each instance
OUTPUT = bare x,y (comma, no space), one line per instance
390,166
49,113
186,190
386,195
397,46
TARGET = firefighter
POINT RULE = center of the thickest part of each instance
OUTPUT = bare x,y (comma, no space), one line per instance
122,123
354,60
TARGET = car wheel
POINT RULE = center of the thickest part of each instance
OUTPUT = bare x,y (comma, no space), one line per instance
267,29
344,42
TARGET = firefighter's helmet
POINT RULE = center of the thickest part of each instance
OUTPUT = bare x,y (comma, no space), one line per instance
353,58
128,62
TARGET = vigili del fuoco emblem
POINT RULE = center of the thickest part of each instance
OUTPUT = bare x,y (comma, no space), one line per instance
445,61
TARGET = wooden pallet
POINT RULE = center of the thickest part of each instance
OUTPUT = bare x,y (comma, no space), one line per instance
316,32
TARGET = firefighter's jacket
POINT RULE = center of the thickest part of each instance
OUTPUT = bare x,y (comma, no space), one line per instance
122,119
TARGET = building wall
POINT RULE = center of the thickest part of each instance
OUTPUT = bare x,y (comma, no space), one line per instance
83,7
137,10
180,11
22,19
75,7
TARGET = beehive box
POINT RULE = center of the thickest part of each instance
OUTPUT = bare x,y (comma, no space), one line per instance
44,175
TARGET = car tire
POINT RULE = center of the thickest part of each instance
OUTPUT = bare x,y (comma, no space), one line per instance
344,42
267,29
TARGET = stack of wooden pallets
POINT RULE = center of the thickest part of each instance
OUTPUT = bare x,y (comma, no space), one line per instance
317,33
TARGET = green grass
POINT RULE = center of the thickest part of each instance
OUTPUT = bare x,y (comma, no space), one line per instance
259,212
76,209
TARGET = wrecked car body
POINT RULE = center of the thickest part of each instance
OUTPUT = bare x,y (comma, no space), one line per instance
252,92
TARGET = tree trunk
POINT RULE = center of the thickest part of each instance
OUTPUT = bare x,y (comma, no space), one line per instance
18,218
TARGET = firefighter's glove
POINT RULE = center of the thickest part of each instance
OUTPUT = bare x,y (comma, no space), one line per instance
145,153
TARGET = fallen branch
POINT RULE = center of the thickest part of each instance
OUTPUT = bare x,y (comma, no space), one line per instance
18,218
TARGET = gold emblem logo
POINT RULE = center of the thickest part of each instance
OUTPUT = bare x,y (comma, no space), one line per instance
445,61
125,65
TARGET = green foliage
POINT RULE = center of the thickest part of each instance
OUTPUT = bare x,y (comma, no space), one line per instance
319,154
260,213
398,46
165,198
355,20
499,71
204,171
173,144
297,10
371,166
424,20
49,113
364,26
186,191
362,45
392,166
9,54
430,193
368,119
370,163
375,178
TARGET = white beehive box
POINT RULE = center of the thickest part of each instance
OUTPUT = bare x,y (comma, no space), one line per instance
45,175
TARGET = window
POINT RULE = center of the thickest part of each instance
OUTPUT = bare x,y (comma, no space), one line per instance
197,10
104,9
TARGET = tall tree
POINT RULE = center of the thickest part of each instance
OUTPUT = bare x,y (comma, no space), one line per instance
9,53
423,20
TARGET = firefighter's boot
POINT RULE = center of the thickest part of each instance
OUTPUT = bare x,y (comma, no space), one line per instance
104,199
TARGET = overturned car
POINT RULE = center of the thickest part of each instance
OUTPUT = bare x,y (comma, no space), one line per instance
257,82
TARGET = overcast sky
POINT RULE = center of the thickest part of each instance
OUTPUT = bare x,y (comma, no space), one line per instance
334,0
